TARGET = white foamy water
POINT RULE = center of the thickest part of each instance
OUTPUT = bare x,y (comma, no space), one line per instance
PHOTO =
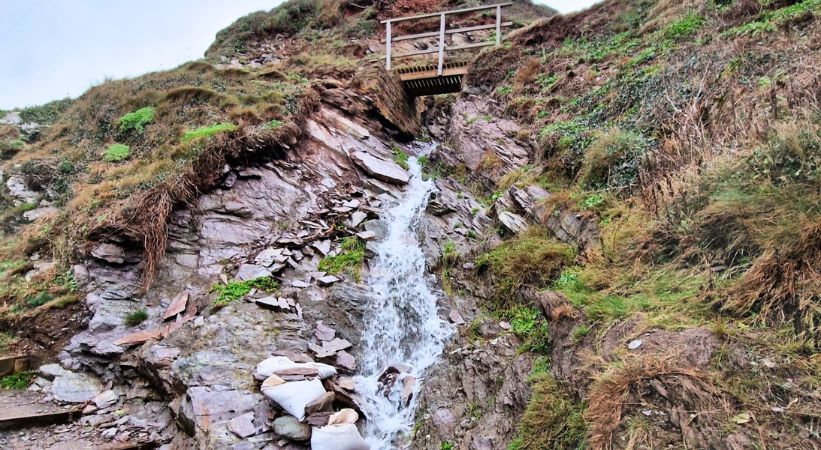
402,324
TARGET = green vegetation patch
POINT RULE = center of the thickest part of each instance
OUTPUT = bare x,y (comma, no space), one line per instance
768,22
400,157
234,290
552,419
527,259
208,131
17,381
135,318
116,153
137,120
349,260
684,27
612,160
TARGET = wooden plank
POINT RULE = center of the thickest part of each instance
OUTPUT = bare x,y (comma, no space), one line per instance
453,11
409,37
432,73
441,44
18,421
388,46
447,49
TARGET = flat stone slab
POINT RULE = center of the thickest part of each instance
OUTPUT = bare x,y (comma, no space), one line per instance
177,305
387,171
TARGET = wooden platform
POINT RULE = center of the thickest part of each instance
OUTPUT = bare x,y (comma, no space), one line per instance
424,80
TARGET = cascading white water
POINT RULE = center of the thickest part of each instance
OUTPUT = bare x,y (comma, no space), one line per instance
402,326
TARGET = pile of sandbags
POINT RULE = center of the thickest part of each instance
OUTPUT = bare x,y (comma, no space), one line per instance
340,433
293,386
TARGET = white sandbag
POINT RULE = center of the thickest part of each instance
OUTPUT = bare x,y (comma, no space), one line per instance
267,367
346,415
294,395
338,437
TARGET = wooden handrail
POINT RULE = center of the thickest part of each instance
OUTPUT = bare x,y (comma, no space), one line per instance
442,32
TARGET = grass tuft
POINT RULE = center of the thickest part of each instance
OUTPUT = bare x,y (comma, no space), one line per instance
234,290
135,318
208,131
349,260
116,153
136,120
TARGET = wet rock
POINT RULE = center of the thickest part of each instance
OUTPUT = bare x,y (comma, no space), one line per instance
321,404
110,253
251,271
357,218
71,387
377,227
292,429
346,361
366,235
243,425
327,280
455,317
408,384
381,169
20,191
330,348
324,332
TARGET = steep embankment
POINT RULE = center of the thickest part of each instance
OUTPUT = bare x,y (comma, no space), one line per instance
623,226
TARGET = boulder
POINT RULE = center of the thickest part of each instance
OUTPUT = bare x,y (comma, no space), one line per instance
513,222
243,425
74,387
105,399
251,271
292,429
109,253
346,361
381,169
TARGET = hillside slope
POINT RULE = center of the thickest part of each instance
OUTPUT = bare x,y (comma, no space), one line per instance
624,232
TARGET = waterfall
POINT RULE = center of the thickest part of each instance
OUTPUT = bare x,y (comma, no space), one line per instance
402,327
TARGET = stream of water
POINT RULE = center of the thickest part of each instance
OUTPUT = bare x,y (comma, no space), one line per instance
403,329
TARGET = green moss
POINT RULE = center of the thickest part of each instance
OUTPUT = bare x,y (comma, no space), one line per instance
17,381
273,124
116,153
349,260
38,299
135,318
208,131
234,290
528,259
136,120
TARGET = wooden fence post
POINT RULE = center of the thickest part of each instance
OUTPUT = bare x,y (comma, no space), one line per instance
441,43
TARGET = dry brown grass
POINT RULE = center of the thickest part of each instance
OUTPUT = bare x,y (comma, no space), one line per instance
610,393
783,286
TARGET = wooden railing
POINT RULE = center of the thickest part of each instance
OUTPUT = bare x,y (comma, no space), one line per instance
443,31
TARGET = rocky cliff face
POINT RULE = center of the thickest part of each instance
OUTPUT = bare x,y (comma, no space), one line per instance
173,291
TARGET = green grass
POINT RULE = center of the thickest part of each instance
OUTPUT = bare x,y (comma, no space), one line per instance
116,153
349,260
234,290
38,299
135,318
447,445
529,326
137,120
770,20
17,381
528,259
552,420
208,131
400,157
684,27
273,124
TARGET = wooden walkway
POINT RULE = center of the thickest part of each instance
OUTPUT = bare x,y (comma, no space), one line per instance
440,77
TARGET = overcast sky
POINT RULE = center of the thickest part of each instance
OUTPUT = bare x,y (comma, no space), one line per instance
51,49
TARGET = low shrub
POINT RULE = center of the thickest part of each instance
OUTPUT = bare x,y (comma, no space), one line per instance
612,160
136,120
17,381
116,153
527,259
